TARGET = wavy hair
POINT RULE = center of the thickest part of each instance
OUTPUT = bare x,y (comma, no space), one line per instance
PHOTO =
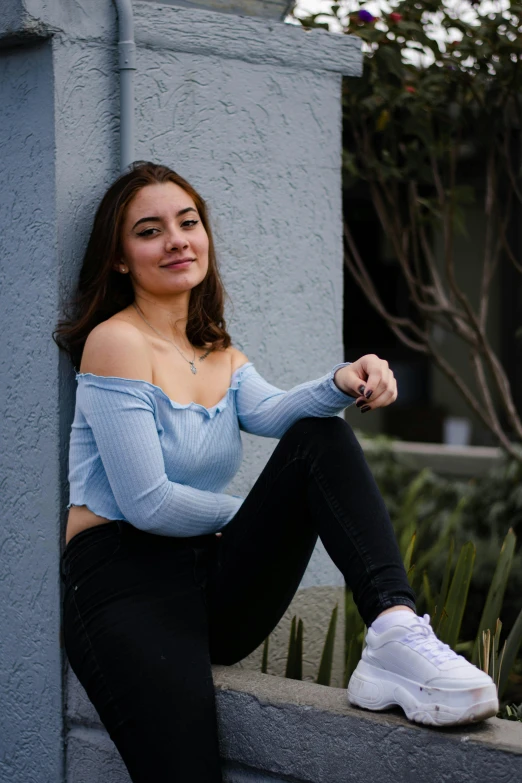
101,291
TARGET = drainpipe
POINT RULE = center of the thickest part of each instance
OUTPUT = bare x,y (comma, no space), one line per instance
127,66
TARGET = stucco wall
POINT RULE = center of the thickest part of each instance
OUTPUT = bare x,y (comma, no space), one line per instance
249,112
30,667
262,144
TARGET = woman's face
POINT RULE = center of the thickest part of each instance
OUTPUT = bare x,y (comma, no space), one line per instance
162,226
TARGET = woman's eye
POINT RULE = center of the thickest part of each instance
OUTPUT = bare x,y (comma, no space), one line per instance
147,232
190,222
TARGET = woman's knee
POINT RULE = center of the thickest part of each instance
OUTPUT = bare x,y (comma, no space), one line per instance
320,426
327,431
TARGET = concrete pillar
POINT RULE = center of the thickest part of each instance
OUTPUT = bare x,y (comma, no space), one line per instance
248,110
31,455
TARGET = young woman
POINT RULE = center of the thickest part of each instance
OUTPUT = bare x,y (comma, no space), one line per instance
164,572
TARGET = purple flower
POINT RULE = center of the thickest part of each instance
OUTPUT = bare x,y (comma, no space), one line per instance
365,16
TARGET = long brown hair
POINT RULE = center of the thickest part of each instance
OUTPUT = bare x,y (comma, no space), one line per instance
101,291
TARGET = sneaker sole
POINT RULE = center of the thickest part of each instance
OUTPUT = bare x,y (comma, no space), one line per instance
377,689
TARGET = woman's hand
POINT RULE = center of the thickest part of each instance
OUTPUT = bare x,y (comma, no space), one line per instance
370,380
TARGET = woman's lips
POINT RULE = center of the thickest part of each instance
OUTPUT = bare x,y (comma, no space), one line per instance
178,264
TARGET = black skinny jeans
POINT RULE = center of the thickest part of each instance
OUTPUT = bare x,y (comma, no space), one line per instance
144,616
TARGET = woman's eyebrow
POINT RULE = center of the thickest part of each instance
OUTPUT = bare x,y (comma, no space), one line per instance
158,219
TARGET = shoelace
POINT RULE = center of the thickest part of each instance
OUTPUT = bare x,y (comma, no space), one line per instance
422,638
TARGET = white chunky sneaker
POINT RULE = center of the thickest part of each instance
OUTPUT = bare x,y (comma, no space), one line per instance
408,666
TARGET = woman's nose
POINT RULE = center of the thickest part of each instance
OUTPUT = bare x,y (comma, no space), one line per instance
176,240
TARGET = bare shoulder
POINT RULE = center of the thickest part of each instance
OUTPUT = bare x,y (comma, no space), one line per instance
237,357
117,348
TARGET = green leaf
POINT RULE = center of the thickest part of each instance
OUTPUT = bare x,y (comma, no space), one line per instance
464,194
511,648
354,631
409,510
391,61
427,593
383,120
298,673
495,597
455,604
409,553
449,528
325,667
441,601
291,665
494,652
417,126
464,647
264,660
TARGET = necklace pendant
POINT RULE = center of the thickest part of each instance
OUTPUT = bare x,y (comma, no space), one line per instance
193,367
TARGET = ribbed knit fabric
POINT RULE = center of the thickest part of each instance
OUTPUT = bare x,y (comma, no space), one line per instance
137,455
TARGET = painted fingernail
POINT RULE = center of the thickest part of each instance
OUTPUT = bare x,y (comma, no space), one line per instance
365,409
368,394
359,403
361,389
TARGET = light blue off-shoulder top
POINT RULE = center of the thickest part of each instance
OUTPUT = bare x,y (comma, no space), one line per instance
138,456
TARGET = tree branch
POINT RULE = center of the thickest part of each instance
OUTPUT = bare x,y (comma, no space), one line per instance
488,262
356,267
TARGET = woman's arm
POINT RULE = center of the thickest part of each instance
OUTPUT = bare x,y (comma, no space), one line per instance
264,409
123,425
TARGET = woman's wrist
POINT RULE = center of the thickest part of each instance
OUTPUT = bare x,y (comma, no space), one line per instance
338,382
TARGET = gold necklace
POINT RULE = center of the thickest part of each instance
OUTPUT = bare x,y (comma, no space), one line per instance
193,367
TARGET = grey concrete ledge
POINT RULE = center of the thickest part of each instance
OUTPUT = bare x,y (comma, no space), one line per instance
273,729
19,27
190,30
306,732
245,38
266,9
450,460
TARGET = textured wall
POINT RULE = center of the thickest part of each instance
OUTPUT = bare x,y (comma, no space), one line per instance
313,605
247,110
266,9
30,668
262,144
